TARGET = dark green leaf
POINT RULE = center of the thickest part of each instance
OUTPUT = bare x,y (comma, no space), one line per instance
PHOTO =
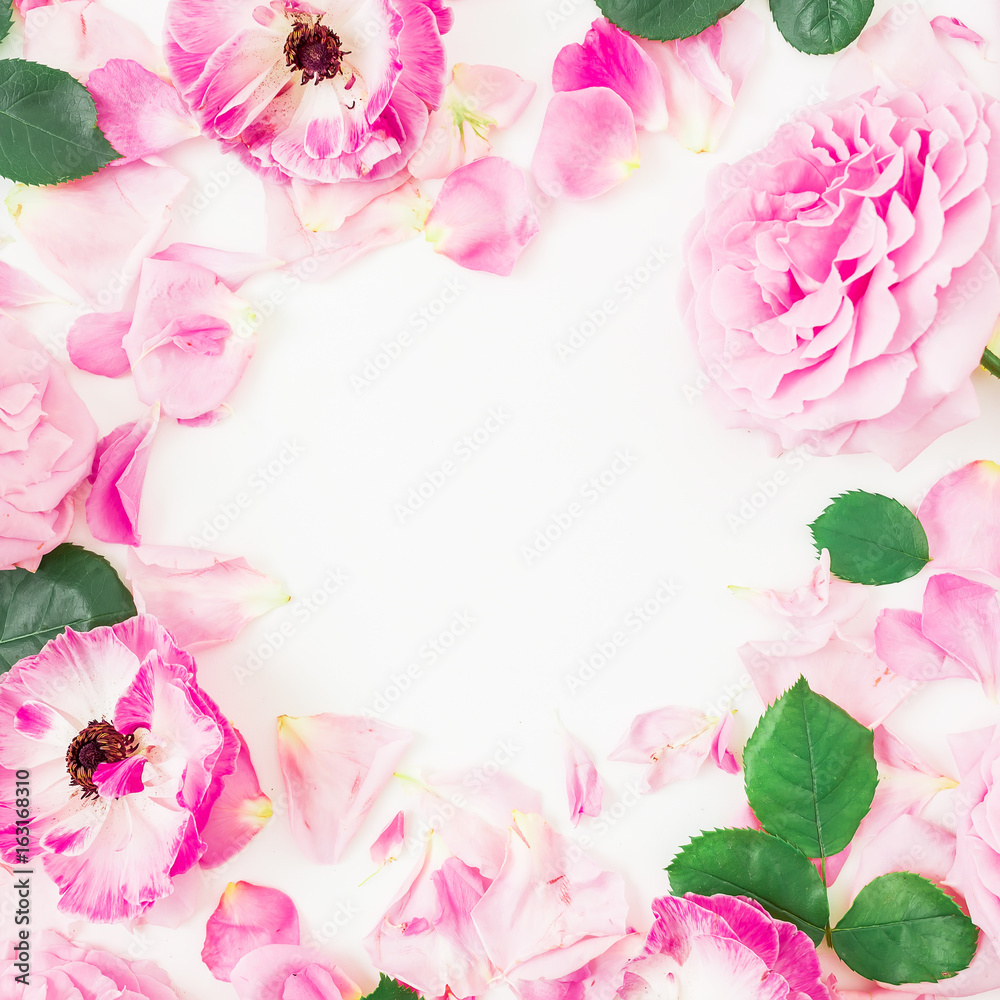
391,989
48,126
754,864
6,17
904,929
872,539
664,19
991,363
72,588
810,772
821,26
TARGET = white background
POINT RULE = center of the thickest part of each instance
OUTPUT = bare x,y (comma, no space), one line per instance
358,452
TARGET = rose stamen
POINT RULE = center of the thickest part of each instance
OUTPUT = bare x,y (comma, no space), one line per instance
314,49
99,743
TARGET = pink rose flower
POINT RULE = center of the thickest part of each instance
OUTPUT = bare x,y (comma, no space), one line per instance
844,278
723,946
322,91
126,756
47,443
62,969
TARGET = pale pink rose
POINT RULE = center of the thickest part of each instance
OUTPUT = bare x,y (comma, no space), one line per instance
584,788
200,597
674,742
723,946
118,478
334,767
843,278
290,972
324,92
61,969
127,755
47,443
248,917
483,218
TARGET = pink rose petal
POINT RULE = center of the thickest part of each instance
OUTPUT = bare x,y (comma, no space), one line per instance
290,972
388,843
19,289
94,343
584,788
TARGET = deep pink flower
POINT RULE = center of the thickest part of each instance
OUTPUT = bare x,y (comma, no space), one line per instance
47,442
723,946
323,91
126,755
842,277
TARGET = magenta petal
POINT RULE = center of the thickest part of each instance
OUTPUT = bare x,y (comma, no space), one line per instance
247,918
94,343
587,146
390,840
118,478
123,777
483,218
584,788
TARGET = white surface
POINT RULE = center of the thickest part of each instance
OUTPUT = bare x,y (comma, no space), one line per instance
342,459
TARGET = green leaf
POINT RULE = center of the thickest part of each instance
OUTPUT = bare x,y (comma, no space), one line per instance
391,989
991,363
821,26
754,864
72,588
872,539
6,17
810,772
665,19
904,929
48,126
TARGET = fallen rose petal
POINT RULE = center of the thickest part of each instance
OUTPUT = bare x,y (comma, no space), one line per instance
241,811
248,917
952,27
201,597
390,840
584,788
334,767
118,478
19,289
290,972
94,343
232,267
483,218
613,59
587,146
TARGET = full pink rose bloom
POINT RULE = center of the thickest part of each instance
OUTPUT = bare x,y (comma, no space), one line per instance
322,91
843,280
65,970
722,946
47,442
126,756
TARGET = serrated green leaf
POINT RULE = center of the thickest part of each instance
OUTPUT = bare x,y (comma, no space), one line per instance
904,929
872,539
391,989
991,363
48,126
666,19
72,588
810,772
6,17
821,26
754,864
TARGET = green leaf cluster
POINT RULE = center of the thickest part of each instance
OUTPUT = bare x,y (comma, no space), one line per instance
810,779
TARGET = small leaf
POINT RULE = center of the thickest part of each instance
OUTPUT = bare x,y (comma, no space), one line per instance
666,19
6,17
754,864
72,588
810,772
821,26
904,929
991,363
872,539
391,989
48,126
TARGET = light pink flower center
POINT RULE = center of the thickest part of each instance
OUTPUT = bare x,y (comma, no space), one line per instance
99,743
314,49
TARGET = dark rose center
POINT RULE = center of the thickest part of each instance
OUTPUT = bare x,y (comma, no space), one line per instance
314,49
100,743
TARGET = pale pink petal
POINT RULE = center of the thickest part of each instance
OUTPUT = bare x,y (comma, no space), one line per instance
248,917
961,515
388,843
587,146
584,788
19,289
201,597
334,767
493,91
94,343
118,478
180,906
240,812
290,972
610,58
901,644
233,268
94,232
723,757
139,113
483,218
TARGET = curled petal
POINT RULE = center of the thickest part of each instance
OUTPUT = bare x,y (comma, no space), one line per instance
94,343
483,218
584,788
587,146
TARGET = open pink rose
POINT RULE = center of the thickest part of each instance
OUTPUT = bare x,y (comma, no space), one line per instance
47,442
841,278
